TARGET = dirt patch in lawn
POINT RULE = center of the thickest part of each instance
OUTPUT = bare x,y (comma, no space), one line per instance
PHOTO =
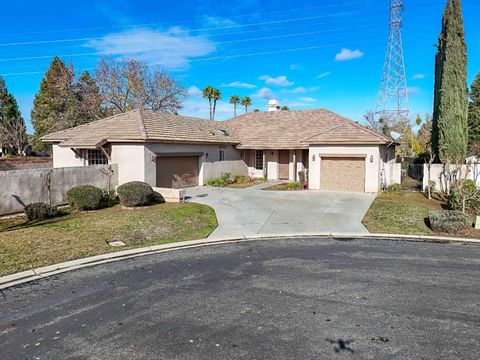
25,245
404,213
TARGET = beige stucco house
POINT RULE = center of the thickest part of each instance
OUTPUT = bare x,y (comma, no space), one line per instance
172,151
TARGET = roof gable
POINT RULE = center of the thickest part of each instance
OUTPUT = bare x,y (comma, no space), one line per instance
346,133
142,126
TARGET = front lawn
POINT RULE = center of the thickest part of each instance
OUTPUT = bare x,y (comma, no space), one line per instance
404,213
25,245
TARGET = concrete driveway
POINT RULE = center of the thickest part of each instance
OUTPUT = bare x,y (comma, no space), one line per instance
251,211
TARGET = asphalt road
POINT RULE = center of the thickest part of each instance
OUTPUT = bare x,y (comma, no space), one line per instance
281,299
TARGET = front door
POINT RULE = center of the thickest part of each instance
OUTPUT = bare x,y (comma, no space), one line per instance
283,164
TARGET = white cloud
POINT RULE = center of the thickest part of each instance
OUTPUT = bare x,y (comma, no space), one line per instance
414,90
347,54
194,91
418,76
264,93
240,85
218,21
322,75
301,90
296,67
308,99
171,49
278,81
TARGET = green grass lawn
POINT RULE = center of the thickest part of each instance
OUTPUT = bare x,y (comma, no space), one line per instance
243,185
25,245
290,186
404,213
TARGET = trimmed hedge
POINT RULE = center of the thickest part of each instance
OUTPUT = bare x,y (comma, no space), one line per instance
40,211
447,221
135,193
86,197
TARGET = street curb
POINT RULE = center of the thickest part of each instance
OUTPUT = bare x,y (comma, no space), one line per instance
46,271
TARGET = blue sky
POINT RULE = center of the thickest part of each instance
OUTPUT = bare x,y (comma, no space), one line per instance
308,54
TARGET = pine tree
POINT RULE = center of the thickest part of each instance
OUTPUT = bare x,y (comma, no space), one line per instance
88,101
54,104
474,114
449,133
13,135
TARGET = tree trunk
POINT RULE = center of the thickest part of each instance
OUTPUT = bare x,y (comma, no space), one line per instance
214,109
210,104
234,110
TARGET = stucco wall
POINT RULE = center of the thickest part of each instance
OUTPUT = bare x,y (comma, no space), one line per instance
436,175
393,173
65,157
372,169
211,154
23,187
214,170
130,159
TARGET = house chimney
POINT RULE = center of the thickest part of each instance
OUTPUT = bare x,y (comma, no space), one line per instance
273,105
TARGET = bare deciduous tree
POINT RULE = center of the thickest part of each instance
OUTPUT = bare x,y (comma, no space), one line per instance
130,84
14,134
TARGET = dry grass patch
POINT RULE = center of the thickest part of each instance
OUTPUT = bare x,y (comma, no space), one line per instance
25,245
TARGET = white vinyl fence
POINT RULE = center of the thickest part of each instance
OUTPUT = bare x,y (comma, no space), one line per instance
23,187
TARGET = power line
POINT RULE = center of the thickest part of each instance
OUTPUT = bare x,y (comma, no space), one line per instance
337,4
183,31
104,53
225,57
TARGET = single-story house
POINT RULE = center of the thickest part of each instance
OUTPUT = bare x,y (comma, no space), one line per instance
174,151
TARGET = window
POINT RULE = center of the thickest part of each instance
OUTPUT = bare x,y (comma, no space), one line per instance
96,157
222,155
259,159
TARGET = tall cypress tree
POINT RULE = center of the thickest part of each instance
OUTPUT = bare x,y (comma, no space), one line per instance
474,114
53,107
450,113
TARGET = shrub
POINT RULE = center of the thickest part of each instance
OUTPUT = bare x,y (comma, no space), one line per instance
86,197
394,188
223,181
470,192
293,186
135,193
241,179
448,221
40,211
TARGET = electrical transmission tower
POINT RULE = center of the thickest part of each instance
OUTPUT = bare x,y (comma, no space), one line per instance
392,101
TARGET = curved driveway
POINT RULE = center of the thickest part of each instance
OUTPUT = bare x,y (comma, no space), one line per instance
252,211
272,299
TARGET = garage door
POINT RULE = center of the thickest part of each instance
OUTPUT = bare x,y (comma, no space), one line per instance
177,171
342,174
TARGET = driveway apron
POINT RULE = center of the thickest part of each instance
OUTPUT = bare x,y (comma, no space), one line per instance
252,211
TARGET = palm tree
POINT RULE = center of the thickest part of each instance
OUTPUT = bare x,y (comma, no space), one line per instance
216,96
207,93
234,100
246,101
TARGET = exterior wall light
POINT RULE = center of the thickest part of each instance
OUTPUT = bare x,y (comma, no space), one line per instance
371,158
313,157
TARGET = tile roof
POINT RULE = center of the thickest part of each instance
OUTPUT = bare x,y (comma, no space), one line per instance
293,129
296,129
142,126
